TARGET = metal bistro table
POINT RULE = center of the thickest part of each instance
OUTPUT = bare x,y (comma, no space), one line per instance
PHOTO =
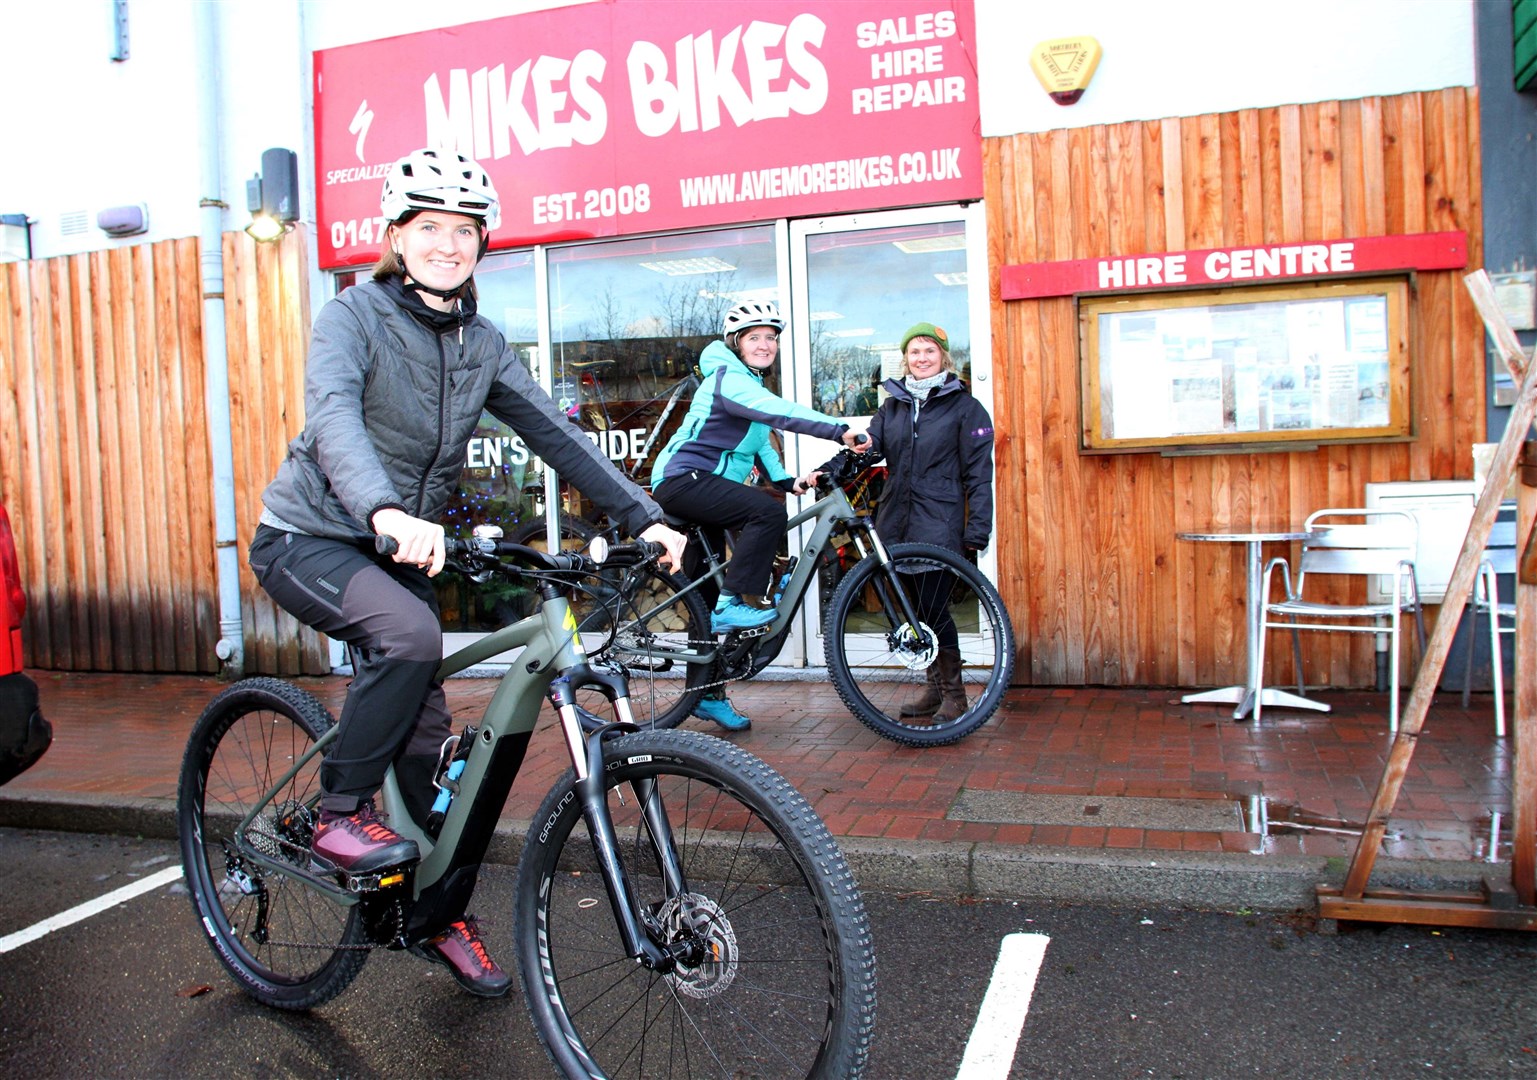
1254,608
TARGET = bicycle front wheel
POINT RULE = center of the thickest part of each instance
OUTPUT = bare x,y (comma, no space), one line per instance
286,944
652,632
891,672
777,976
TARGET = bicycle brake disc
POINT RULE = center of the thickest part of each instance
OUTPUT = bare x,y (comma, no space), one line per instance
710,966
915,647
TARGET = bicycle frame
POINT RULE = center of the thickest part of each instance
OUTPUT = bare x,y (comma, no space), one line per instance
553,662
828,514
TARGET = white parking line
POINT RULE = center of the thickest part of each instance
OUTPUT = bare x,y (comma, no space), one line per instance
990,1051
89,908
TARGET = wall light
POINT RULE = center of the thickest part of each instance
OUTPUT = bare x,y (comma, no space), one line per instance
272,195
15,238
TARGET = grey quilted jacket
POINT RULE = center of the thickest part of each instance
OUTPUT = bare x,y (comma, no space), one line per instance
390,407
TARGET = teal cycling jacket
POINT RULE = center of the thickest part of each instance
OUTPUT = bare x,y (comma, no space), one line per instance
726,430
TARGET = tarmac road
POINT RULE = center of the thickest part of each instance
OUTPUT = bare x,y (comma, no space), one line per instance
1121,992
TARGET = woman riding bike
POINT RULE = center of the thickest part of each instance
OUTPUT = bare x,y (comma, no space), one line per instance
702,474
400,368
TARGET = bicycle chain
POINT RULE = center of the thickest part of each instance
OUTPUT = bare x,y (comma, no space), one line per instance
299,849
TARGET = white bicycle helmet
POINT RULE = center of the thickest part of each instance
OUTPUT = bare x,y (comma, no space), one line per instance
440,180
753,313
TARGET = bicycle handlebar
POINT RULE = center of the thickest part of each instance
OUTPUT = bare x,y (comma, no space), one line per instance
482,550
844,466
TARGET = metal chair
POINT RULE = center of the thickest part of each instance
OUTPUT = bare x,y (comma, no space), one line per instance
1362,543
1499,558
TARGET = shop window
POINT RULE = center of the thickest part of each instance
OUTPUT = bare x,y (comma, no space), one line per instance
628,320
1250,367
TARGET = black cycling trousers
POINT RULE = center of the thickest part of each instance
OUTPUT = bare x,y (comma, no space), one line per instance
757,518
388,612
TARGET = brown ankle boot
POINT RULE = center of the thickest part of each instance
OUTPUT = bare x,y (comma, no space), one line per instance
953,690
931,699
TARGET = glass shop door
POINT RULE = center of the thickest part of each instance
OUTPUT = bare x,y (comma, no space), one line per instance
857,283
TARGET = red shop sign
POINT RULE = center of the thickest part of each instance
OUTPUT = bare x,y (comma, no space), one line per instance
632,116
1235,266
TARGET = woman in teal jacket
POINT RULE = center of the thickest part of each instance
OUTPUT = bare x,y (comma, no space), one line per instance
703,473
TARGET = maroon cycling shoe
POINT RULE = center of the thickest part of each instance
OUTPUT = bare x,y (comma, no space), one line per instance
461,951
359,843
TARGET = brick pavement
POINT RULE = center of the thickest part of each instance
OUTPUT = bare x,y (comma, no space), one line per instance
121,735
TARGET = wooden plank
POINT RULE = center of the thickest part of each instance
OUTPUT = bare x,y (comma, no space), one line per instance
1457,589
1523,802
107,315
199,460
151,530
1431,911
173,616
50,600
1373,169
24,503
96,591
1289,162
71,497
1326,159
1201,169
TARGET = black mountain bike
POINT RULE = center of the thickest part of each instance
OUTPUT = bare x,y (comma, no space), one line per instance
882,627
733,940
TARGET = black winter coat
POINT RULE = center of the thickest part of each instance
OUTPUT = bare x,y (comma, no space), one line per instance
939,482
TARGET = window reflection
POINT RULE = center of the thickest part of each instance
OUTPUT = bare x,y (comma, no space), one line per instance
628,321
502,483
868,286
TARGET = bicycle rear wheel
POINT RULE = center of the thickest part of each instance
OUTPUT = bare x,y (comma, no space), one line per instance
649,630
881,664
285,943
779,971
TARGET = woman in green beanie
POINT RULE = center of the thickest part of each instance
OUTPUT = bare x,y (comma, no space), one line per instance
938,444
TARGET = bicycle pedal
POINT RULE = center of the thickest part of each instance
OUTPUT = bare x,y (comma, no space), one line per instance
754,632
375,882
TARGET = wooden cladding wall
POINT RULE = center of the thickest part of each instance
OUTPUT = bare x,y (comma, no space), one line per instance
106,464
266,307
106,457
1100,590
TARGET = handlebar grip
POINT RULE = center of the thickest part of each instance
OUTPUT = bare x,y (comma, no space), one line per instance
634,552
385,545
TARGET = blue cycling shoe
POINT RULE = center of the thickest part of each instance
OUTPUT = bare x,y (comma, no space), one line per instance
731,614
721,711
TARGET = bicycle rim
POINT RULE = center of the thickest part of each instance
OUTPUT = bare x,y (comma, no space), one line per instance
881,664
283,942
650,634
781,976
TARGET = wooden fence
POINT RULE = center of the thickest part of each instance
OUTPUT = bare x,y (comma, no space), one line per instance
1100,590
106,456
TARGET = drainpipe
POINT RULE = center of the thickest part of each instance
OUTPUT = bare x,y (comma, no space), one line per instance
231,645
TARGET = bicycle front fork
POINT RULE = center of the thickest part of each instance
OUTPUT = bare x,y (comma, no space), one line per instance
586,749
895,603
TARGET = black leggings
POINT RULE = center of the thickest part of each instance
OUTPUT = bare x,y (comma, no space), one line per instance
756,516
388,612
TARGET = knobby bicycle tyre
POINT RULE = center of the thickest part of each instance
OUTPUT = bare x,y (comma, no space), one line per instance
782,978
286,944
881,665
647,626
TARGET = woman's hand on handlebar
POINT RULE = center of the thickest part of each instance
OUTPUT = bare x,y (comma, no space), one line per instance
857,441
670,539
418,542
806,483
